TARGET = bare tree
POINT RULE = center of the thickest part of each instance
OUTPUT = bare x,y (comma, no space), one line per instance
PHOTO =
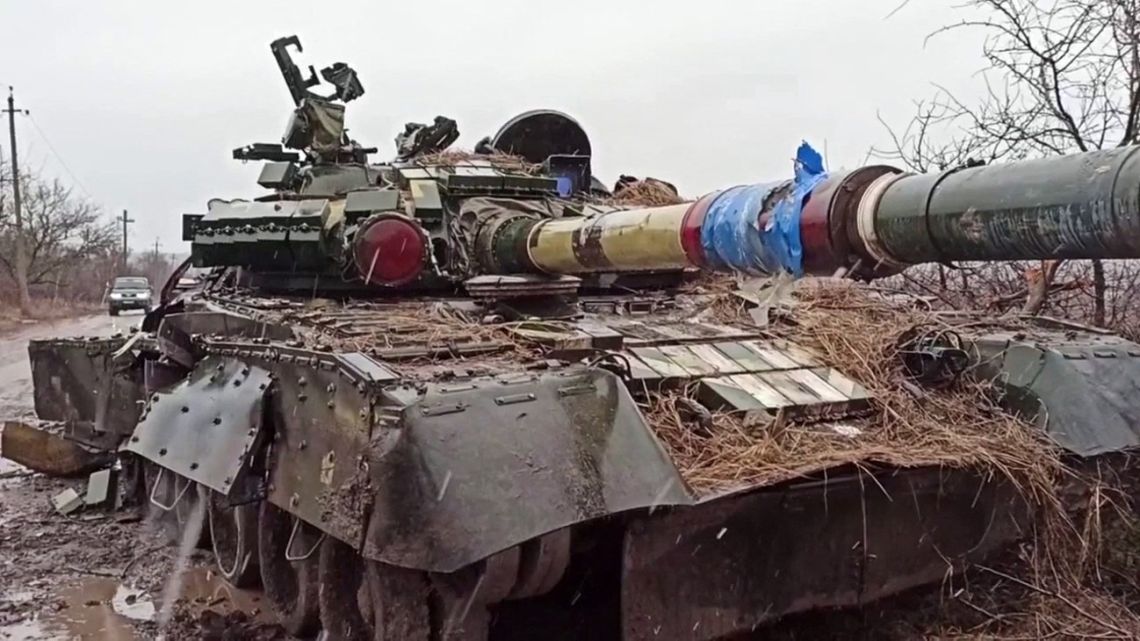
61,233
1062,76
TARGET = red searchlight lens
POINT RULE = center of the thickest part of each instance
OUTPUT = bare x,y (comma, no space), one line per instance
389,250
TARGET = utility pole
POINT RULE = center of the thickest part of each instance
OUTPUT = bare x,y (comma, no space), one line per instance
126,221
25,299
156,249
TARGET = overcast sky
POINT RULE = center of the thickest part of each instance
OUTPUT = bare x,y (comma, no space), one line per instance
144,101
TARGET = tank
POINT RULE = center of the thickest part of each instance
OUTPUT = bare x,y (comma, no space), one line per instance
447,396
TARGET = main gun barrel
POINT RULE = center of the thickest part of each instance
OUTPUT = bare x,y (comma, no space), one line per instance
1079,206
875,219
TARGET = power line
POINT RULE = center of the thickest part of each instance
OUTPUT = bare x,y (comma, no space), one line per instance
58,157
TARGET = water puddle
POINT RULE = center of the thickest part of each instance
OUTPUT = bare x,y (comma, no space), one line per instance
103,609
88,612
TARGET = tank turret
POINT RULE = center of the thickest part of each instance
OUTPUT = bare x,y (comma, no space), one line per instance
526,202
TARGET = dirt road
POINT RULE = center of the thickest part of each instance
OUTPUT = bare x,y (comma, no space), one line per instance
95,575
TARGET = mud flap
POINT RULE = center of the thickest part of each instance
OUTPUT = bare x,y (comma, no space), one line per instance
479,466
207,427
730,564
322,416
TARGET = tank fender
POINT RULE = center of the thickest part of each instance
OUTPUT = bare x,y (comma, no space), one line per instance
1077,385
93,386
474,467
208,426
176,332
738,561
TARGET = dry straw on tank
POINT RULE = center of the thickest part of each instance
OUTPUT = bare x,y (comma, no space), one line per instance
644,193
857,333
455,157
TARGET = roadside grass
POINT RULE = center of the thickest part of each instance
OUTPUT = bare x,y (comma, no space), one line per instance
43,309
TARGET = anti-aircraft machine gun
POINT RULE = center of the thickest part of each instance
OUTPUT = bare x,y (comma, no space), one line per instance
409,391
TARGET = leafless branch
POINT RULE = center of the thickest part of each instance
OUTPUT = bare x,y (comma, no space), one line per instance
1059,76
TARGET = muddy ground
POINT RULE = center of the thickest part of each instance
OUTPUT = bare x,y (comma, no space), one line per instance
96,574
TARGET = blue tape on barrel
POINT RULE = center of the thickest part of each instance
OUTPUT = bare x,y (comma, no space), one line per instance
732,237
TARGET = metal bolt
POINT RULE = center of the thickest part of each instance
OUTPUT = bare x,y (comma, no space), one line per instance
193,466
217,420
162,452
237,382
331,404
294,501
134,439
221,367
301,397
302,445
331,388
302,382
185,409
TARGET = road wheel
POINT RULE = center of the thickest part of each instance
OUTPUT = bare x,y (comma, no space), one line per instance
233,536
346,612
395,600
291,587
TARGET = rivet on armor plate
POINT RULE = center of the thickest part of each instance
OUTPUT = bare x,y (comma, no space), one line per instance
162,452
